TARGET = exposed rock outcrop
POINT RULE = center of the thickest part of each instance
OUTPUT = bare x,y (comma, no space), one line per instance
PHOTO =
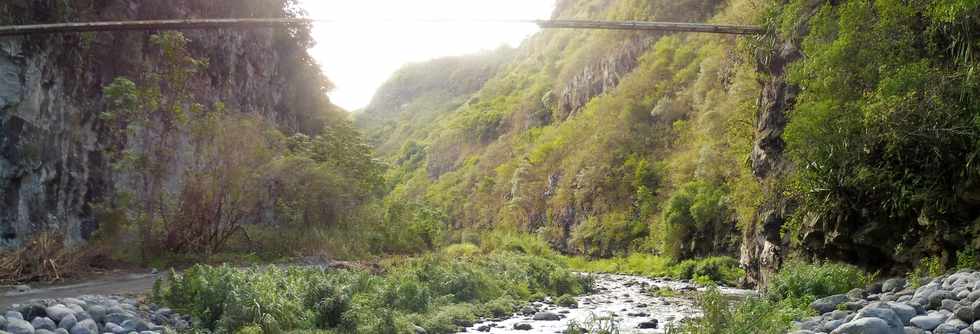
53,165
764,245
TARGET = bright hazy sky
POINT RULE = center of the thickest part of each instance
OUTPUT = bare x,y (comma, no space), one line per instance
358,58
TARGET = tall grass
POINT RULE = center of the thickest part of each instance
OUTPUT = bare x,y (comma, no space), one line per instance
438,292
721,270
787,298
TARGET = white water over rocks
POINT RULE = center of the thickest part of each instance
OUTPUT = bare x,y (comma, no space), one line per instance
623,298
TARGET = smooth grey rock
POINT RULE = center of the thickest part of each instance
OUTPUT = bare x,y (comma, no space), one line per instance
929,321
949,304
950,327
893,284
523,327
888,315
140,325
61,331
829,303
839,314
13,315
3,321
115,329
43,331
43,323
87,326
975,326
964,312
18,326
867,326
914,330
856,293
118,317
57,312
97,312
68,321
831,325
811,324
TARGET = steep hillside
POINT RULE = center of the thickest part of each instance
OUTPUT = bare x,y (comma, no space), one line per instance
60,146
849,133
599,141
418,93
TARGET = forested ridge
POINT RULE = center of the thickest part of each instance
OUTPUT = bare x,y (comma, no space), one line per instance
831,164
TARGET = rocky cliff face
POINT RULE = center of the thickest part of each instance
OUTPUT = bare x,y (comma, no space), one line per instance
764,246
53,166
601,76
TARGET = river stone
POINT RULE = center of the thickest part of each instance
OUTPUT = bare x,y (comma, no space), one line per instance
61,331
831,325
3,321
140,325
964,312
43,323
893,284
975,326
18,326
953,326
885,314
856,293
827,304
115,329
867,326
97,312
523,327
914,330
926,290
949,305
928,322
118,317
57,312
649,324
68,321
87,326
13,315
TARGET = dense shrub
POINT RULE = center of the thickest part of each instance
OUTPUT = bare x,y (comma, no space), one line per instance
751,316
801,280
436,292
608,235
724,270
885,128
697,221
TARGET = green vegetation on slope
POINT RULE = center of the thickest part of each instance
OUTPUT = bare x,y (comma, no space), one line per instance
886,127
641,167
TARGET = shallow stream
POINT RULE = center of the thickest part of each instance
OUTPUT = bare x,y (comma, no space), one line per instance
625,301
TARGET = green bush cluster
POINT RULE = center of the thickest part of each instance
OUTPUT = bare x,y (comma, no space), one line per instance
438,293
886,124
806,281
785,299
710,270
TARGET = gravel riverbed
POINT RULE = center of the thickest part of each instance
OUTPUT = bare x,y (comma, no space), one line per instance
630,302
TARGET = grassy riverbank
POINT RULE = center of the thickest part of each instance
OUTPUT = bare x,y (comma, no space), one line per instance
440,292
710,270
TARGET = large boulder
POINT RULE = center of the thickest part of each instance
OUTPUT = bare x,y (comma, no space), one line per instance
57,312
17,326
68,321
867,326
43,323
886,314
87,326
829,303
893,284
929,321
